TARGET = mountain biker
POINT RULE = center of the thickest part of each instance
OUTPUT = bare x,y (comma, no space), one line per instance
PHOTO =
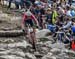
28,27
28,18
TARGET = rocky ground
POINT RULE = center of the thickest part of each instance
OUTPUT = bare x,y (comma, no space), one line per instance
19,48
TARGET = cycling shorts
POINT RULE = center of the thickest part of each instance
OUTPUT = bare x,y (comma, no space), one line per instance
29,22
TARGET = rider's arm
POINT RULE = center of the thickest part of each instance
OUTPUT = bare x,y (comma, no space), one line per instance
24,17
33,17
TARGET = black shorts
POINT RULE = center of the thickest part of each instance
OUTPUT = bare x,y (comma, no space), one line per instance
29,23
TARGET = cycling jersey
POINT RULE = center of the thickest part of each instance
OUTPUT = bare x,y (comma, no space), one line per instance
30,20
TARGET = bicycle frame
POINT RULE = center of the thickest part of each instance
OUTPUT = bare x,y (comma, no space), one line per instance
31,36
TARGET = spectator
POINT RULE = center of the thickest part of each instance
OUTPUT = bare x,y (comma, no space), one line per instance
73,29
49,15
54,16
73,12
68,24
10,1
18,3
70,2
68,13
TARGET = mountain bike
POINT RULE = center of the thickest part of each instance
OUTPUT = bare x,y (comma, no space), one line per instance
30,35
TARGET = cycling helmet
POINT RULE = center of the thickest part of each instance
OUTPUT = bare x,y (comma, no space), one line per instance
28,13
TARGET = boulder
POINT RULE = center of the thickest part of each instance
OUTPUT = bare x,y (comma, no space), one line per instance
17,52
29,56
42,33
11,33
49,56
58,45
43,50
23,44
38,55
10,57
48,43
69,52
55,51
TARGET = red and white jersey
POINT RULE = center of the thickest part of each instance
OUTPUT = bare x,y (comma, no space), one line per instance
31,16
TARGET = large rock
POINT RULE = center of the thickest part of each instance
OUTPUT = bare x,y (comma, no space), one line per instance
48,43
20,44
49,56
23,44
58,45
42,33
10,57
3,15
38,55
17,52
15,18
43,50
69,52
29,56
11,33
0,12
55,51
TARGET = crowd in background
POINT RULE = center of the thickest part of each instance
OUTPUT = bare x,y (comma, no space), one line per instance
55,15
